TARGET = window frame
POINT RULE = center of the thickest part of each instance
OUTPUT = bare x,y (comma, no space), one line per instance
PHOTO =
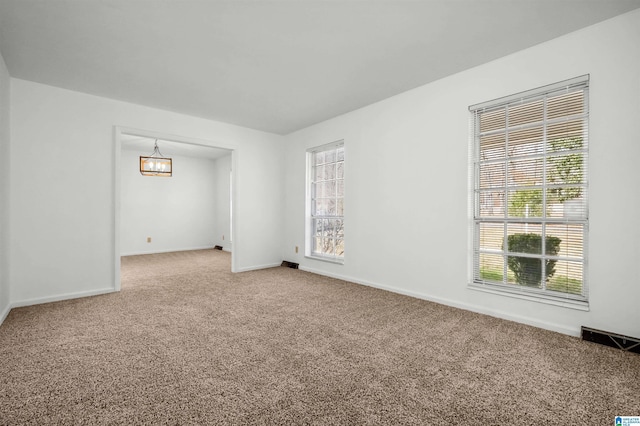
311,216
504,287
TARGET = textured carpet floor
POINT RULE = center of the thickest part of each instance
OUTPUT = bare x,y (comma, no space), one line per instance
187,342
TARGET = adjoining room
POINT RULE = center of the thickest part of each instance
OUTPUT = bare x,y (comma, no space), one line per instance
189,210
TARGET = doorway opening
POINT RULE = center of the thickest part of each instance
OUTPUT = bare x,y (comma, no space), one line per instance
190,210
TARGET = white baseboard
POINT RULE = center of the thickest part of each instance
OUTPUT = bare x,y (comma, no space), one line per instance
468,307
166,251
255,268
57,298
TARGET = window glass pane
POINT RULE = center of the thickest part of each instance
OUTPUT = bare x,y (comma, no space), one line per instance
318,158
565,105
491,236
566,169
565,277
525,203
321,206
328,188
571,239
566,130
326,246
339,247
529,112
524,238
328,230
493,147
526,142
340,170
340,188
525,271
317,227
565,144
566,202
330,156
329,171
527,172
330,207
340,154
339,224
492,175
490,267
340,207
491,204
493,120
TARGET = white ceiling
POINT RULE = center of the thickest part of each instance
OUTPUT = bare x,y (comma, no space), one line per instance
144,146
276,66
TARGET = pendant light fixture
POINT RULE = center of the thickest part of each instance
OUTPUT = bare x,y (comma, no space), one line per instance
155,164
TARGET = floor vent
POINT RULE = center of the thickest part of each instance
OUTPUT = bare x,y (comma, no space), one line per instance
291,265
217,248
626,343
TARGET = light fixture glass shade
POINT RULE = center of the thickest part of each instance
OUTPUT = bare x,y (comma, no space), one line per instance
155,164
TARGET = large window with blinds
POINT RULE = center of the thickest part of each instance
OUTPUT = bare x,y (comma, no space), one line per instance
530,186
325,202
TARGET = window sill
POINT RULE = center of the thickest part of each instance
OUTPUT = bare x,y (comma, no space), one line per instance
540,298
326,259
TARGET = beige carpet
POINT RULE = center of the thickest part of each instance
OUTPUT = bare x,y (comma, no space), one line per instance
187,342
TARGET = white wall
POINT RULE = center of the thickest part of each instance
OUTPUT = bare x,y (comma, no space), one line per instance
406,206
62,188
222,203
4,188
178,212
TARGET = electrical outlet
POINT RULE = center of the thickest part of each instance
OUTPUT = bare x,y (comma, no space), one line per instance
296,249
148,239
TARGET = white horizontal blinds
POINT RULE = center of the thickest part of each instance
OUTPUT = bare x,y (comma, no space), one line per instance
327,202
530,191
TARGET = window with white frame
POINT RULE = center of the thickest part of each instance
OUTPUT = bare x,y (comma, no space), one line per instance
530,217
325,202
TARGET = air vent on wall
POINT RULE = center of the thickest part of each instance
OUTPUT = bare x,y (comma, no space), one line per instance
626,343
291,265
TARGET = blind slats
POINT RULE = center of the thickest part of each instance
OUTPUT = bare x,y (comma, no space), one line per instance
529,163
